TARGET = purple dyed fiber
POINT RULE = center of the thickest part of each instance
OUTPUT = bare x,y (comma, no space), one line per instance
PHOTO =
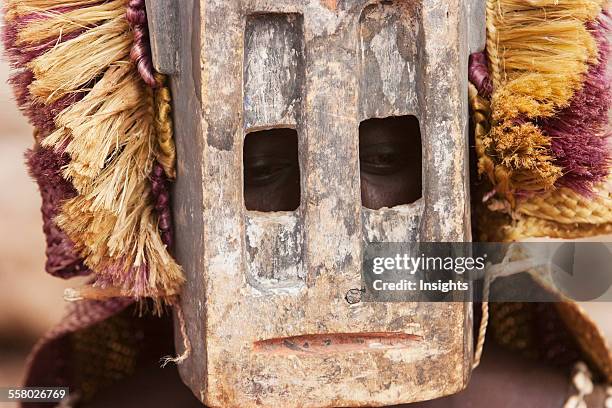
45,167
40,115
19,83
22,54
141,47
579,132
25,54
478,74
43,116
136,278
161,196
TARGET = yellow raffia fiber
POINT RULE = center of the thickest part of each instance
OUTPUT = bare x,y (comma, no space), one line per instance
533,227
16,8
556,9
521,151
545,39
69,66
481,117
113,136
166,150
539,51
112,222
57,24
524,151
494,226
113,109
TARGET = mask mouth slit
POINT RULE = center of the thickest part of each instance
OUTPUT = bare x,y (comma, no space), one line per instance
333,343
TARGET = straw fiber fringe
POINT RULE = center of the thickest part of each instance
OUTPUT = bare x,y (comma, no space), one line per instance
114,131
73,64
109,118
71,20
539,51
21,55
109,219
16,8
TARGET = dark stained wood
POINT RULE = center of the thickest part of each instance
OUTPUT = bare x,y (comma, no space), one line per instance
181,59
164,32
477,25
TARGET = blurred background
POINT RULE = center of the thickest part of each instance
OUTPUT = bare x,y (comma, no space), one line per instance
30,300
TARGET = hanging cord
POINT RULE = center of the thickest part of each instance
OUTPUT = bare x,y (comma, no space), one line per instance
480,117
501,270
186,343
484,321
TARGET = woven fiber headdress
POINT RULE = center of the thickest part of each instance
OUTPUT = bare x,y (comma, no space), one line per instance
540,98
103,150
542,119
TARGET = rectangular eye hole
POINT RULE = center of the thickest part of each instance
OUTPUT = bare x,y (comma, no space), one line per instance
271,170
390,160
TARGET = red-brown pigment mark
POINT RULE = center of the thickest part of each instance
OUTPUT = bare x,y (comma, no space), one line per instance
321,344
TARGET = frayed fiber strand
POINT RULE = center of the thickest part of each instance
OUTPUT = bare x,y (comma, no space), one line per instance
107,119
16,8
55,23
57,72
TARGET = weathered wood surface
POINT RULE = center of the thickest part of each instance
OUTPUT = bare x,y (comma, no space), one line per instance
477,25
255,278
187,197
389,43
164,31
273,70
